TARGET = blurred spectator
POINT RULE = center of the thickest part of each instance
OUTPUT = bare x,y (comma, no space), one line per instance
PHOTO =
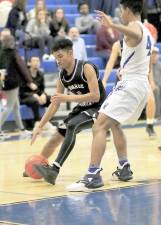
38,34
105,37
58,23
37,98
110,6
61,34
17,20
152,30
5,32
14,70
5,7
154,14
86,23
99,5
156,66
79,48
117,15
107,6
39,5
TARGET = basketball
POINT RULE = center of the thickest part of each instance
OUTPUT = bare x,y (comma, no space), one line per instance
32,160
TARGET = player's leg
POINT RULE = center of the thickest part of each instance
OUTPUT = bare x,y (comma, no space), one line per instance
50,147
150,114
75,125
123,171
157,95
93,178
102,124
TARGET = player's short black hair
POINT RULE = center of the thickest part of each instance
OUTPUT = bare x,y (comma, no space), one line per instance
136,6
62,44
82,3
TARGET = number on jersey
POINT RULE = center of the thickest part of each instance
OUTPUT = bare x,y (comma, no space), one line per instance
149,45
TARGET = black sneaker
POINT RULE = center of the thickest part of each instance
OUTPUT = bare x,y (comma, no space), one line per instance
123,173
150,130
47,172
159,147
89,181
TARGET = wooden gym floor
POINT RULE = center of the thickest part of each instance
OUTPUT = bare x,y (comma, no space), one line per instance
17,192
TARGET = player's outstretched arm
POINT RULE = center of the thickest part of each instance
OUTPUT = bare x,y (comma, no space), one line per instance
116,51
52,109
133,30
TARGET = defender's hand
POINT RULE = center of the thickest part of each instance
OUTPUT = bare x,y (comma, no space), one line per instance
104,19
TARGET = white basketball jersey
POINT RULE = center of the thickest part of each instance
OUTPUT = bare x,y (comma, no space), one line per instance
135,60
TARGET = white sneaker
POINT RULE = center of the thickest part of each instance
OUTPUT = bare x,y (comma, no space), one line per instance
4,136
89,182
25,134
77,187
46,57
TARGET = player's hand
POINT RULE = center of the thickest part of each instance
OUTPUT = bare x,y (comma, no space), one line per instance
37,131
104,19
58,98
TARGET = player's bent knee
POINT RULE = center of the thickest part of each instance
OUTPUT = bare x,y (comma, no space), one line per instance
98,127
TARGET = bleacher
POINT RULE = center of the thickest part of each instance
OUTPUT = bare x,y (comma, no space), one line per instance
26,113
50,66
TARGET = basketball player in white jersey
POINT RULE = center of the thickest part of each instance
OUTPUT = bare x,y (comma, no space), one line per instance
128,99
114,62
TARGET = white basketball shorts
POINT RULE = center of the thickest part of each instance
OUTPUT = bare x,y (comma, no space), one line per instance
126,102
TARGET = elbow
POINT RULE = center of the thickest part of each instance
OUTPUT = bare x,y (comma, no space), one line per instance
96,97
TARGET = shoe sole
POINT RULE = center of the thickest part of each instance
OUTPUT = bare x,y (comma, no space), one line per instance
83,188
116,178
125,178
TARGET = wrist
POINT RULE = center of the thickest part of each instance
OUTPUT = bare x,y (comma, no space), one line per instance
40,126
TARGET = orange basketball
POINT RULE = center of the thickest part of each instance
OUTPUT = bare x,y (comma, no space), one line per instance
32,160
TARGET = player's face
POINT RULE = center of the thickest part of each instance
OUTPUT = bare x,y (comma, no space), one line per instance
124,14
63,58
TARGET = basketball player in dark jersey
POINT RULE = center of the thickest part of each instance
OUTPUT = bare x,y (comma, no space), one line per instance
82,79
